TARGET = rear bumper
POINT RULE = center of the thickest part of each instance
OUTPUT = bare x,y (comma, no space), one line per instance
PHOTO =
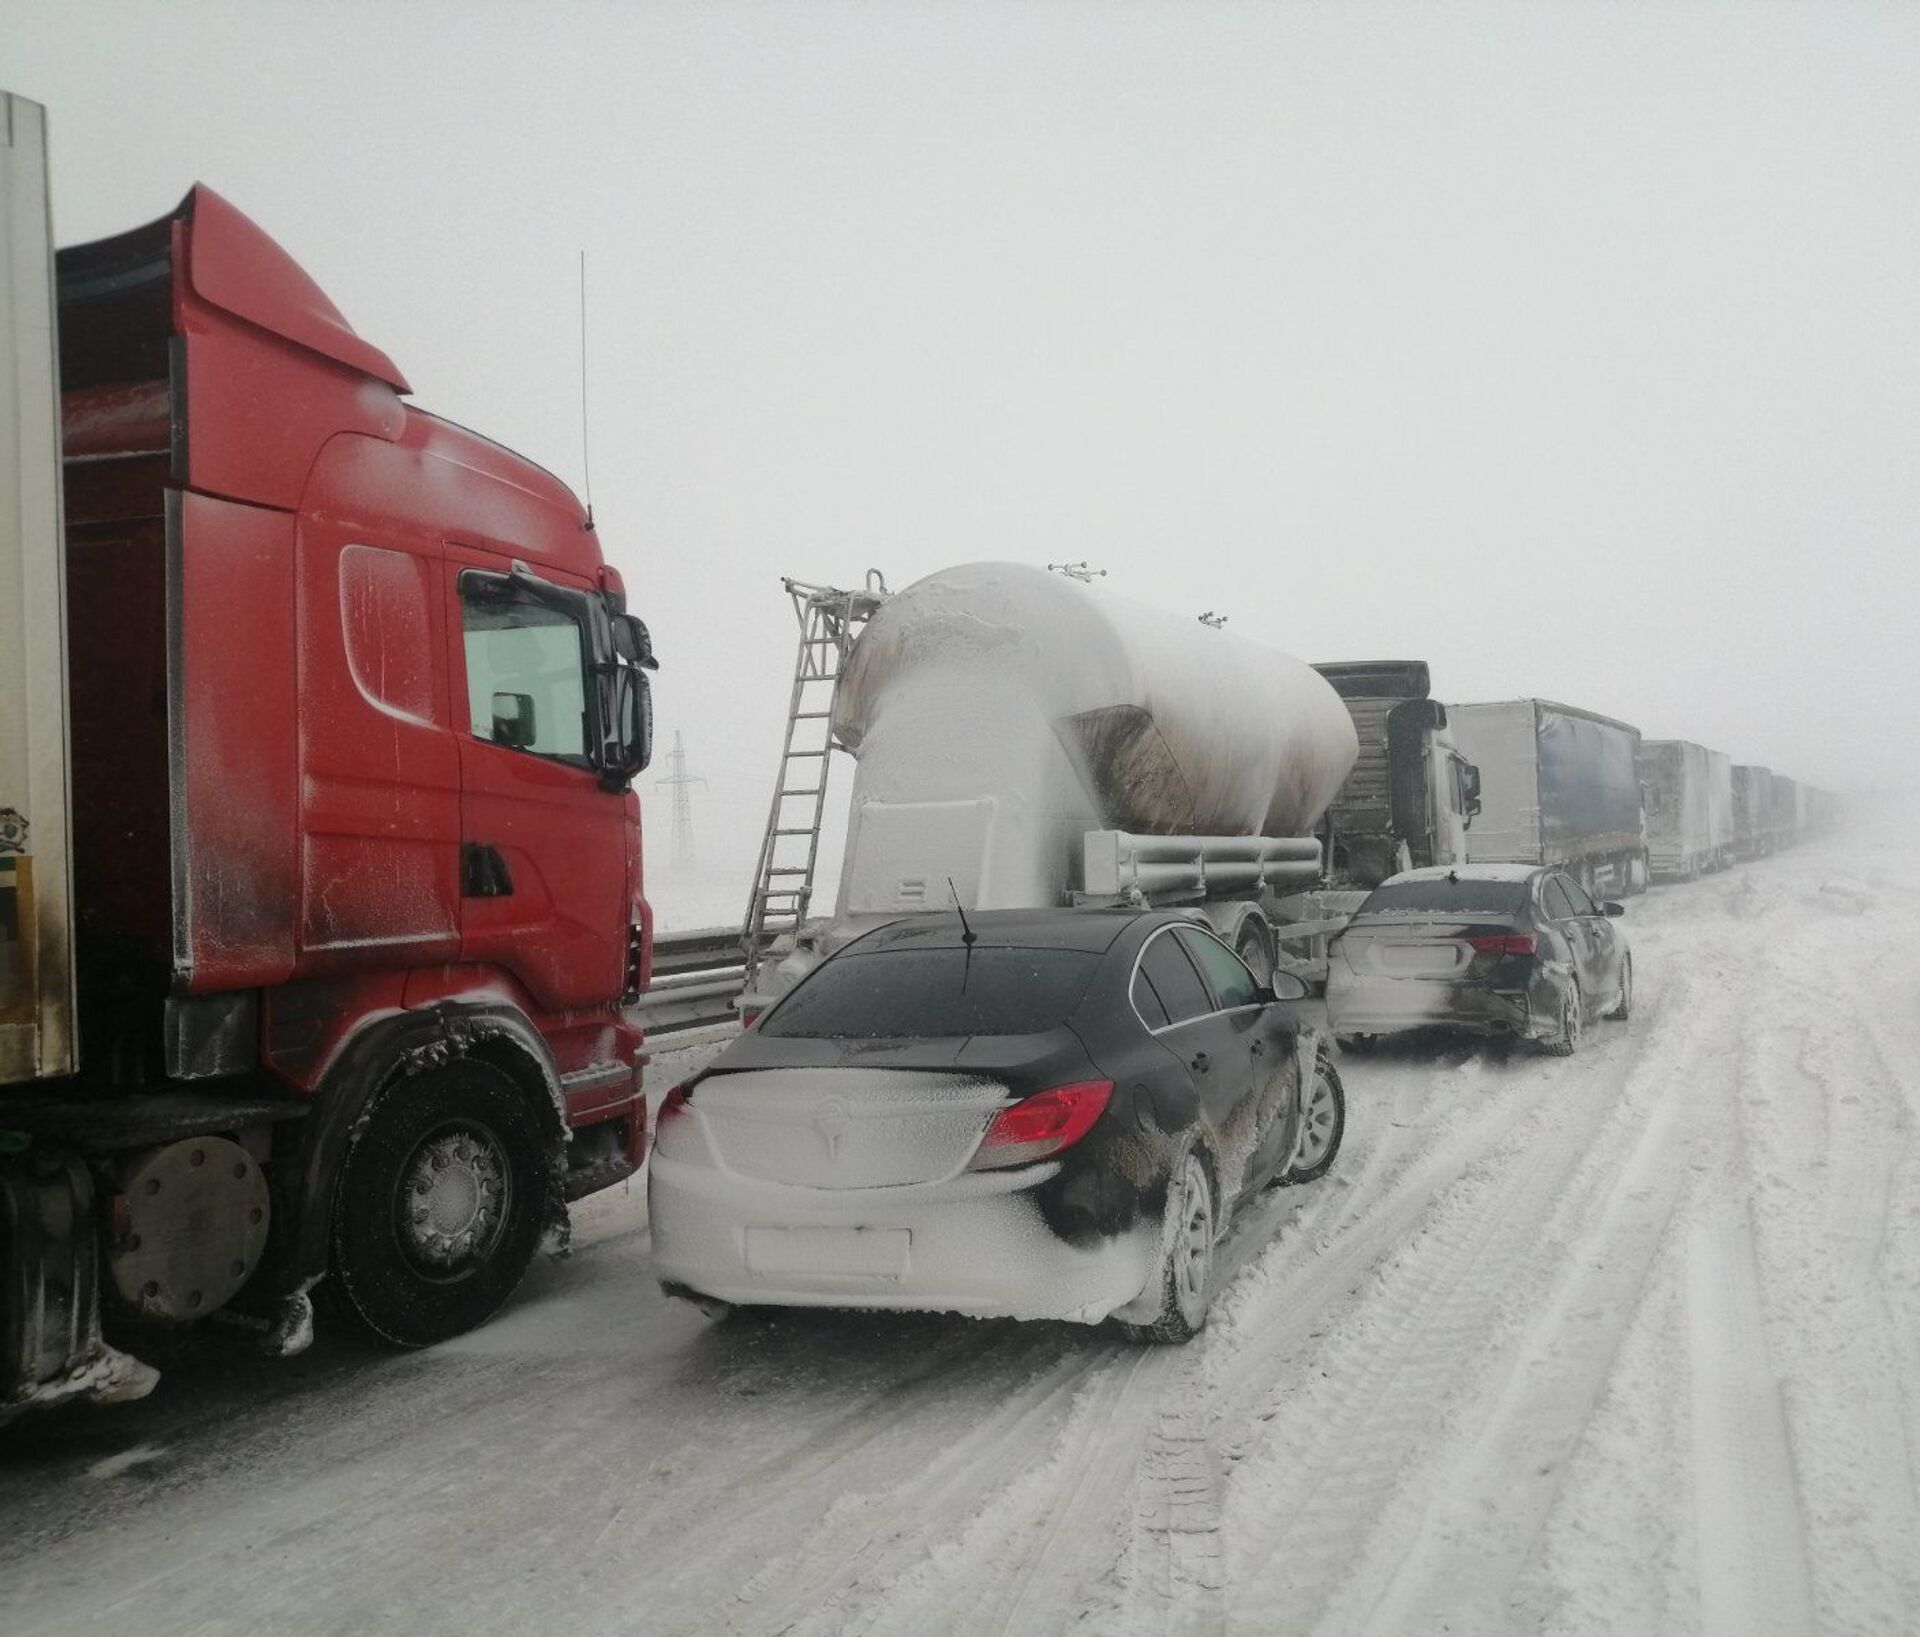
976,1244
1388,1006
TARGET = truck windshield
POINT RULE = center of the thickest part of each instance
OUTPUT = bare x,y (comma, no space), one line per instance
928,994
1462,897
526,671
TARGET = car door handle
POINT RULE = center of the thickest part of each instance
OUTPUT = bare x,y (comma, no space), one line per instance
1201,1062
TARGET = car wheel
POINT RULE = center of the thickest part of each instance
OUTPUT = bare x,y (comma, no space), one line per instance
1567,1042
438,1206
1624,1010
1186,1257
1324,1124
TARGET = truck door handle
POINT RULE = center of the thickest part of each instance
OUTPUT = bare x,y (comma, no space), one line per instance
483,872
1201,1062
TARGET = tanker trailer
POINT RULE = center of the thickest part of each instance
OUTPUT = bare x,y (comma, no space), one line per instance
1021,739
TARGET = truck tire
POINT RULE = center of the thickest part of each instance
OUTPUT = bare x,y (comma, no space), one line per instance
1255,948
438,1206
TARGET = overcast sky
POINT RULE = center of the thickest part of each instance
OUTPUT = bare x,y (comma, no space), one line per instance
1574,349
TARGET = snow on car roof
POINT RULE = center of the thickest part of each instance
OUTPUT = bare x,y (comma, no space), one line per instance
1468,872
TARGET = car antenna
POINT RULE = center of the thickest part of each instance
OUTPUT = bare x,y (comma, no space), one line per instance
967,934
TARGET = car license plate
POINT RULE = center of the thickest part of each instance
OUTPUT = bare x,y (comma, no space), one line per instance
856,1254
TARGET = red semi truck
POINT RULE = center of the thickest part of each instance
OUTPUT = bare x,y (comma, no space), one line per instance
321,911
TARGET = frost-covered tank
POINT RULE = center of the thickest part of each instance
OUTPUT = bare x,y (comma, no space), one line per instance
998,714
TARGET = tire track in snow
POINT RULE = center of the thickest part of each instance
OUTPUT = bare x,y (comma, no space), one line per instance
1458,1571
1752,1537
1334,1460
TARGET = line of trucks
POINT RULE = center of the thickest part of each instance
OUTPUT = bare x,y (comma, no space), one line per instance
322,919
1023,738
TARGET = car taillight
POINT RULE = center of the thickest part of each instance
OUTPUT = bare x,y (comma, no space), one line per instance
1503,943
749,1015
673,1103
1042,1125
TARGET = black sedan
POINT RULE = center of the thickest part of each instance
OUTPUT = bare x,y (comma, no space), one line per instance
1503,950
1029,1114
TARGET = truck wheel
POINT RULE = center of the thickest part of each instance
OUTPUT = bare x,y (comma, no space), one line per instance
1324,1124
1254,948
438,1207
1185,1275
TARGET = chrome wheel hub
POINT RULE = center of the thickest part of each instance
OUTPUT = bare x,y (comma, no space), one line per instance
1194,1248
453,1198
1316,1130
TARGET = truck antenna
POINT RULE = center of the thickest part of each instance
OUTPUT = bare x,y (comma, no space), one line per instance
967,934
586,447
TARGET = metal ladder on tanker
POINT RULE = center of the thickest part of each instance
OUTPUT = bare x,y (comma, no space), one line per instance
829,619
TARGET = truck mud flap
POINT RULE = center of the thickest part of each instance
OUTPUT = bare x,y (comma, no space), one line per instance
50,1346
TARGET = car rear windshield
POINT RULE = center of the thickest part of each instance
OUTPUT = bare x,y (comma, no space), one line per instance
1444,897
904,994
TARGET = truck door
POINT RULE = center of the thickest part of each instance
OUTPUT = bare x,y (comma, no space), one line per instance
544,856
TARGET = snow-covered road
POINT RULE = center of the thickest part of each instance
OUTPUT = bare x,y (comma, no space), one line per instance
1628,1342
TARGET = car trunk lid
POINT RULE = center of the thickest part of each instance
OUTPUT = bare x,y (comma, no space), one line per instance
1433,949
846,1127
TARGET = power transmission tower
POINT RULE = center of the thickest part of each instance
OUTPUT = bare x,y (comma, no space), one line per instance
681,782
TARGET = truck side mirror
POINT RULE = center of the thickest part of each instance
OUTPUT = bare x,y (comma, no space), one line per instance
633,642
633,722
513,720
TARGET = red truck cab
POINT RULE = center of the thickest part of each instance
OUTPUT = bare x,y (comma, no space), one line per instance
357,908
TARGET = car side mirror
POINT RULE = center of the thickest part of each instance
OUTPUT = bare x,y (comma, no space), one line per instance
1611,909
1285,986
513,720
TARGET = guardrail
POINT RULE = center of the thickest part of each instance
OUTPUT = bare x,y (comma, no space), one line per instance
697,977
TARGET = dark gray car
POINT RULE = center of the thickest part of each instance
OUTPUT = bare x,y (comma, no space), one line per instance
1502,950
1033,1113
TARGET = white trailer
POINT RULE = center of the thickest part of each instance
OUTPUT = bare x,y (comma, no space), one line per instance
1558,785
1689,808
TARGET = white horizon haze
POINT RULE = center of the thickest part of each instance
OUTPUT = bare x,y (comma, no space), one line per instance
1572,349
